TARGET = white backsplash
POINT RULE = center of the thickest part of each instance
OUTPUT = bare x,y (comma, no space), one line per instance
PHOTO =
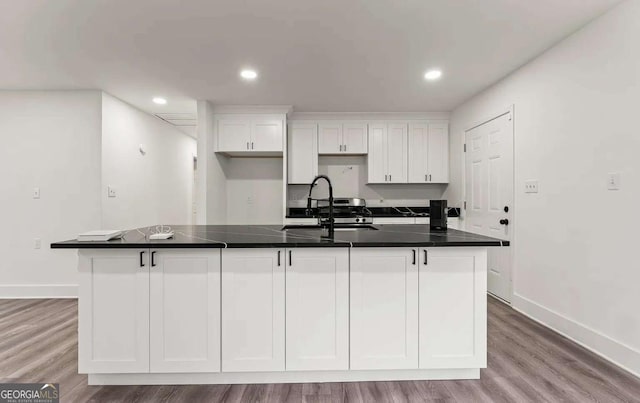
348,176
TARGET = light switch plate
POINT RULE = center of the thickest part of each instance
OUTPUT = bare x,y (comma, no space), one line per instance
111,191
36,193
531,186
613,181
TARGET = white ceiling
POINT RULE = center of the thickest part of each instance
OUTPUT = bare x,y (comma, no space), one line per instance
322,55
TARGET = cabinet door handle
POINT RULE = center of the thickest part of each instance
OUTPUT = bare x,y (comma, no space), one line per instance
389,177
247,145
278,258
425,178
429,177
142,259
425,257
153,259
289,258
414,257
345,147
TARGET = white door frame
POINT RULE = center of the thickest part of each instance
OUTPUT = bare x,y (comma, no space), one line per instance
509,109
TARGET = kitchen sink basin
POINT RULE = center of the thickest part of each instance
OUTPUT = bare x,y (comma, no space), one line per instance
337,227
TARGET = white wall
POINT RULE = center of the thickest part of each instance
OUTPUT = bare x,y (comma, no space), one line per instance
576,109
153,188
211,192
50,140
254,191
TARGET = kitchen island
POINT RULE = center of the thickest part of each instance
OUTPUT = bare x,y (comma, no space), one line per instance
255,304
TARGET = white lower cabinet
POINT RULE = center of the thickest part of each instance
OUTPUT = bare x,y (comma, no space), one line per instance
185,310
113,311
384,308
453,308
317,309
253,310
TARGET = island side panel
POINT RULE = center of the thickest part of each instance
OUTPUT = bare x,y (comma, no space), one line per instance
453,308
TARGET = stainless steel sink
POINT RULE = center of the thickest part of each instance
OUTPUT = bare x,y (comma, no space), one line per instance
338,227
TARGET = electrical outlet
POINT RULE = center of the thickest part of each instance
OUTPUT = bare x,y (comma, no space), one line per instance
37,243
36,193
531,186
111,191
613,181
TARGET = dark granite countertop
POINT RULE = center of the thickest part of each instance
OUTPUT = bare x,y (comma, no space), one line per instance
271,236
297,212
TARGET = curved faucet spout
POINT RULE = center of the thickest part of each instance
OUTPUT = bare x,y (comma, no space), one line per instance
313,183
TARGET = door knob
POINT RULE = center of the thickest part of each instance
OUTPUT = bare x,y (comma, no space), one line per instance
504,221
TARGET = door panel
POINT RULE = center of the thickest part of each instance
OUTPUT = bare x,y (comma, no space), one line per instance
384,309
329,138
234,135
489,189
438,153
185,311
354,138
317,283
267,135
253,310
418,153
397,153
452,309
302,153
113,313
377,158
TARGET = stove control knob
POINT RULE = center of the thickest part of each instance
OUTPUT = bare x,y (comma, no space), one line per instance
357,220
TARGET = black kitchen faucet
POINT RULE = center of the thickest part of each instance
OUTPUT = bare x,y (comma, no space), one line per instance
329,224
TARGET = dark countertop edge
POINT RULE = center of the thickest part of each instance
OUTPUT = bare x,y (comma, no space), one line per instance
282,245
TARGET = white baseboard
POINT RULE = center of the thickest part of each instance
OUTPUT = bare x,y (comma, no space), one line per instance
18,291
283,377
620,354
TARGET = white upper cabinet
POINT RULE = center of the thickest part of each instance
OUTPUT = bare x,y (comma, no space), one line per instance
387,158
317,306
354,138
302,152
234,135
397,153
185,310
266,135
438,156
428,153
342,138
330,138
250,134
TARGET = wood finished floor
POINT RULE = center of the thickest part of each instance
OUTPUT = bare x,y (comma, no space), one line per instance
527,363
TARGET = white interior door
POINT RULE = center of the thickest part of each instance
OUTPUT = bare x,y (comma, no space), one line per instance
489,194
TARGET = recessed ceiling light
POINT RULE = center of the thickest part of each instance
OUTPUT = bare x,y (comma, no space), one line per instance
432,75
248,74
160,101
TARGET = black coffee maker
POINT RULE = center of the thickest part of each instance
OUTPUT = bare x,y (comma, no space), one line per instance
438,215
